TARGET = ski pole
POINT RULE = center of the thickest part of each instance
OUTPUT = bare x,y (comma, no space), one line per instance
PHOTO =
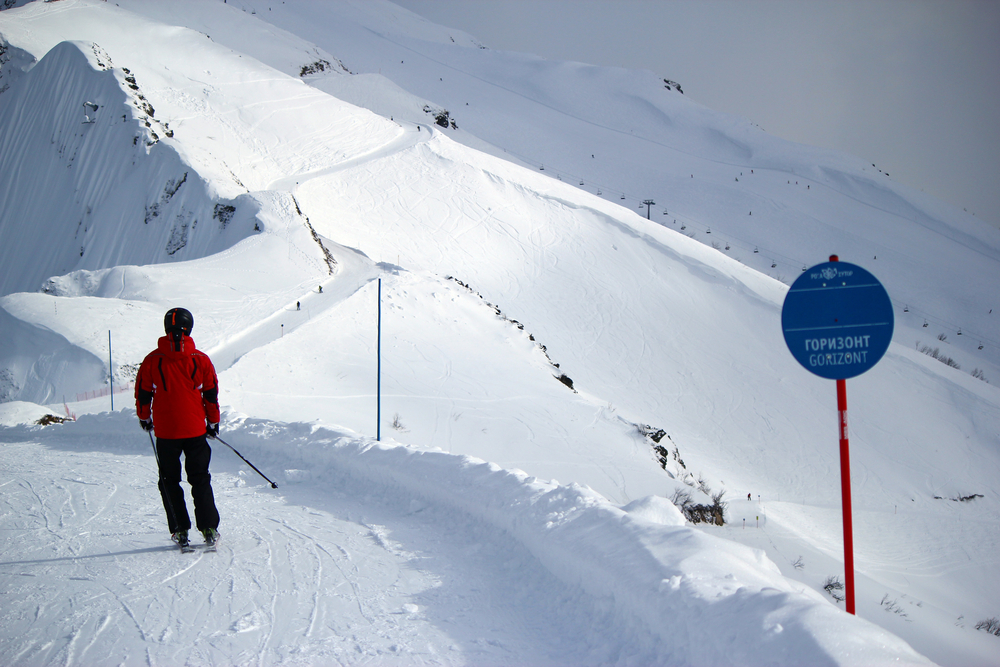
216,437
159,483
156,455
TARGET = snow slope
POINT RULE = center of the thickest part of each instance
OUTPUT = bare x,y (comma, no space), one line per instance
386,555
779,207
495,279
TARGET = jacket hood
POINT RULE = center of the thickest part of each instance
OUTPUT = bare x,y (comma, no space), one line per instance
166,345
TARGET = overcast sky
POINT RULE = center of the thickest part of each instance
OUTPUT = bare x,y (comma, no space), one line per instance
910,85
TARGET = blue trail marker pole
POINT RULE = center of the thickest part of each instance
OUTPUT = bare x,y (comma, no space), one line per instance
378,352
837,320
111,374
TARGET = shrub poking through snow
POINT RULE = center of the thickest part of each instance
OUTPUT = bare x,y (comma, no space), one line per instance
321,65
398,425
224,214
834,586
936,353
962,499
316,67
990,625
893,606
51,419
700,512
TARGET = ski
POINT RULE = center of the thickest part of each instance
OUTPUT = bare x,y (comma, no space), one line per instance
186,548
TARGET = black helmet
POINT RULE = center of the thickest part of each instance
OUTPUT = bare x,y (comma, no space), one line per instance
178,319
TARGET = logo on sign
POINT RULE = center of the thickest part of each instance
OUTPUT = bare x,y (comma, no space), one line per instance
841,327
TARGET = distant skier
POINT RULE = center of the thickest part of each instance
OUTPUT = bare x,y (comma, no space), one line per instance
177,394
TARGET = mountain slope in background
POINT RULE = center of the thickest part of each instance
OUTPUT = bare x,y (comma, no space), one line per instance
495,280
633,137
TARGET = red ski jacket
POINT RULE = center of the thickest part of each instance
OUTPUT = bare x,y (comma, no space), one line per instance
178,388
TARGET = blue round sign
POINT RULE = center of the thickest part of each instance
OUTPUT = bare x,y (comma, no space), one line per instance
837,320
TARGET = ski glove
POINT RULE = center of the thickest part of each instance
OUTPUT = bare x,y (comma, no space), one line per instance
146,424
212,430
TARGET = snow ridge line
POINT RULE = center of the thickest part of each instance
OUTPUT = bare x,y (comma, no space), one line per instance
733,608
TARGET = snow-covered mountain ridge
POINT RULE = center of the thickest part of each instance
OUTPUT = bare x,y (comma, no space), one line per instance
84,172
653,327
626,135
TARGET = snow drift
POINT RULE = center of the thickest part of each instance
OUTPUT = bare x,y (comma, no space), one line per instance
659,592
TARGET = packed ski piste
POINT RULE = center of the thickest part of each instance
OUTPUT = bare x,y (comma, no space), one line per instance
459,396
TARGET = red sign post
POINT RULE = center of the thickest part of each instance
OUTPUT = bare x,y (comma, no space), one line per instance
837,320
845,494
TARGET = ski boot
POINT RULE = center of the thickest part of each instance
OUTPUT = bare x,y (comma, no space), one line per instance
181,538
211,537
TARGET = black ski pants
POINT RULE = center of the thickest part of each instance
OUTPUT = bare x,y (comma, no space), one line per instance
197,455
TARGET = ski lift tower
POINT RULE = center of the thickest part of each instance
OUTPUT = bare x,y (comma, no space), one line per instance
648,203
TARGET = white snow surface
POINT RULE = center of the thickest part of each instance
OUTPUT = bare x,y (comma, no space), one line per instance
177,154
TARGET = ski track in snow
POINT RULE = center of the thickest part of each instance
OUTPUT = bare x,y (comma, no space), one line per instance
335,571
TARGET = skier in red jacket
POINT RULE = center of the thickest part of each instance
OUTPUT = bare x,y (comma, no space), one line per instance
177,394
